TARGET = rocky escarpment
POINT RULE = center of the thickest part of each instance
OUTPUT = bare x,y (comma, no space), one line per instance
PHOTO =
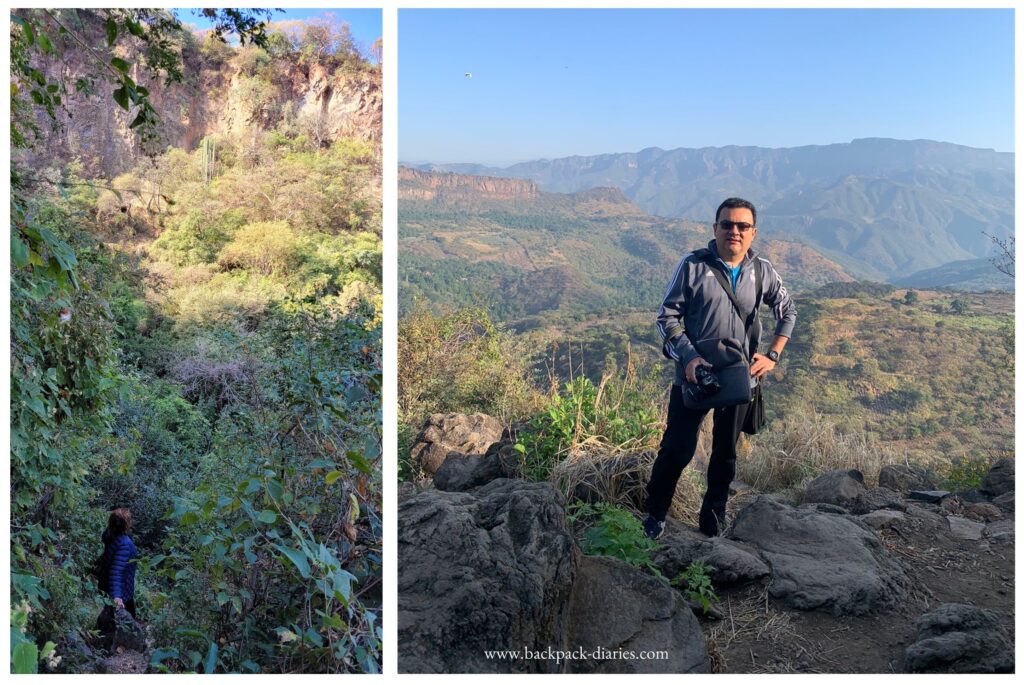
429,186
226,94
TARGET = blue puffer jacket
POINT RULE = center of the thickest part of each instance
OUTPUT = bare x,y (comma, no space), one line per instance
120,554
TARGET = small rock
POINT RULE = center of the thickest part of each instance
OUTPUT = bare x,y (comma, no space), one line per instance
999,479
934,496
842,487
905,478
925,515
821,561
1000,529
883,518
880,498
1004,502
965,529
951,505
982,511
959,638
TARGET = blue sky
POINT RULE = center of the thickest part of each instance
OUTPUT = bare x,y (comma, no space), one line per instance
554,83
365,24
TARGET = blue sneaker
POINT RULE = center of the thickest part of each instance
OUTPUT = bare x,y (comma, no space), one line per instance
653,528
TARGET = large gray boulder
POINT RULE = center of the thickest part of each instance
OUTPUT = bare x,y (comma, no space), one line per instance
619,608
462,433
959,638
734,562
999,479
490,569
461,472
821,560
905,477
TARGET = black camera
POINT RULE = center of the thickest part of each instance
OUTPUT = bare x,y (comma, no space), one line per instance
706,385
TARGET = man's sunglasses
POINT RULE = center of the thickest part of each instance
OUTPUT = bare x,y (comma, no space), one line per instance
727,226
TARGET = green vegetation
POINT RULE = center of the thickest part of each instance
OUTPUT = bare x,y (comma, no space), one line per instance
457,362
696,584
200,343
964,473
612,531
617,414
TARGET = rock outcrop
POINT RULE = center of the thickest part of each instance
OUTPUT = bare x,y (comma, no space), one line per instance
999,479
218,97
821,560
959,638
487,570
429,186
461,472
617,608
467,434
734,563
904,478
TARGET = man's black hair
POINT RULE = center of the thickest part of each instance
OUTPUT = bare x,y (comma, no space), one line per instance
736,203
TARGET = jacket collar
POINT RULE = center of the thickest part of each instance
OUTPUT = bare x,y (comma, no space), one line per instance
747,258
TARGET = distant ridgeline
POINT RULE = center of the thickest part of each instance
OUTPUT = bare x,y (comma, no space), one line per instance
881,208
523,253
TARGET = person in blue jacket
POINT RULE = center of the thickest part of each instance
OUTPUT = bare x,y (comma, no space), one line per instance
119,554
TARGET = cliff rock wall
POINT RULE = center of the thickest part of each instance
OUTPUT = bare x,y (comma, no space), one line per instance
217,97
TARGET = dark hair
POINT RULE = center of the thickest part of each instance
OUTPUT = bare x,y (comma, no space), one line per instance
120,522
736,203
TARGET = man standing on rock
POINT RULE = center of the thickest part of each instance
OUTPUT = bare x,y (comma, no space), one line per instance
698,312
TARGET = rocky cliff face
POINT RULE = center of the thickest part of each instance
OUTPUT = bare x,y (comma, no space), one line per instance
217,97
428,186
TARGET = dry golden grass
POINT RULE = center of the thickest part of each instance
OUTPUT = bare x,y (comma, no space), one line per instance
806,445
619,476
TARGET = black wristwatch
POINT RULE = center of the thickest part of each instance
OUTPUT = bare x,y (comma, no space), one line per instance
773,355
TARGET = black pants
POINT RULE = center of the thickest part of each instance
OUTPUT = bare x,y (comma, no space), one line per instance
678,445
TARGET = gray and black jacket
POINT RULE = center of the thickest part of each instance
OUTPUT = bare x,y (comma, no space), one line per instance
697,309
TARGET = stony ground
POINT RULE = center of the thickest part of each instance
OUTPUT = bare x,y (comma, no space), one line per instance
758,635
834,577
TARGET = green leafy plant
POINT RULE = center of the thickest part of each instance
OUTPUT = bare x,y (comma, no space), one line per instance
696,584
612,531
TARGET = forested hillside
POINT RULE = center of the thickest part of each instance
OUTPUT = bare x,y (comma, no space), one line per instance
196,337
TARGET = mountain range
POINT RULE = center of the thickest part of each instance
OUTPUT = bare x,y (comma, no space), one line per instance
523,253
881,208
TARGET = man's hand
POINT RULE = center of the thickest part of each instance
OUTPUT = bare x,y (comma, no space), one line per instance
119,603
691,369
761,365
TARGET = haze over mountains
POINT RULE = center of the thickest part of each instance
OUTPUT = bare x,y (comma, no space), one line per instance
523,252
882,208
